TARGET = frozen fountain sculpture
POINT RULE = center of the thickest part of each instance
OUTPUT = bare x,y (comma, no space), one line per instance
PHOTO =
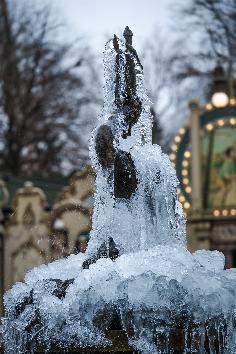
136,204
136,274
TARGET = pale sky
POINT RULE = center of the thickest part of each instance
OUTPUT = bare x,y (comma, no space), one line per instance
100,19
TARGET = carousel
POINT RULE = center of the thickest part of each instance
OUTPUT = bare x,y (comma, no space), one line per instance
204,155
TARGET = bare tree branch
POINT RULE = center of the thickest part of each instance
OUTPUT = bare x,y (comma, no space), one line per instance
45,91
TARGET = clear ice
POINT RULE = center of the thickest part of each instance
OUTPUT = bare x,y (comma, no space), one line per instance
156,287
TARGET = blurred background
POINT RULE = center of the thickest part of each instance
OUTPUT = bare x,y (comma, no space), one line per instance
51,93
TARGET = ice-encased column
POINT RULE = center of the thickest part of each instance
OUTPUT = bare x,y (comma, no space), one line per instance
132,174
127,108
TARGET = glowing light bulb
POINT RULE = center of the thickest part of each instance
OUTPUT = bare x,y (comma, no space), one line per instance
185,181
187,154
219,99
186,205
188,189
185,163
181,131
221,122
208,106
174,147
209,126
216,212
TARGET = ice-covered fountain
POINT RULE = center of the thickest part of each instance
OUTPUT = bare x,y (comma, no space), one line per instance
137,275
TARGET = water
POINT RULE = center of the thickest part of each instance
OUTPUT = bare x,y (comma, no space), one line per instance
160,292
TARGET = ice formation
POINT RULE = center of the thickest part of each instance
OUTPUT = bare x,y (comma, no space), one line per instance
154,285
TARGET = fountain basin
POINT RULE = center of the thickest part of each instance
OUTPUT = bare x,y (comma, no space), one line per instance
164,298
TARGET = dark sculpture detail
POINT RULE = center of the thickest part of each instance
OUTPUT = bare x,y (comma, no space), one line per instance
106,250
125,180
104,146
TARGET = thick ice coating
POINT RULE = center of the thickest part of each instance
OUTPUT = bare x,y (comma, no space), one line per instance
153,215
164,296
151,290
